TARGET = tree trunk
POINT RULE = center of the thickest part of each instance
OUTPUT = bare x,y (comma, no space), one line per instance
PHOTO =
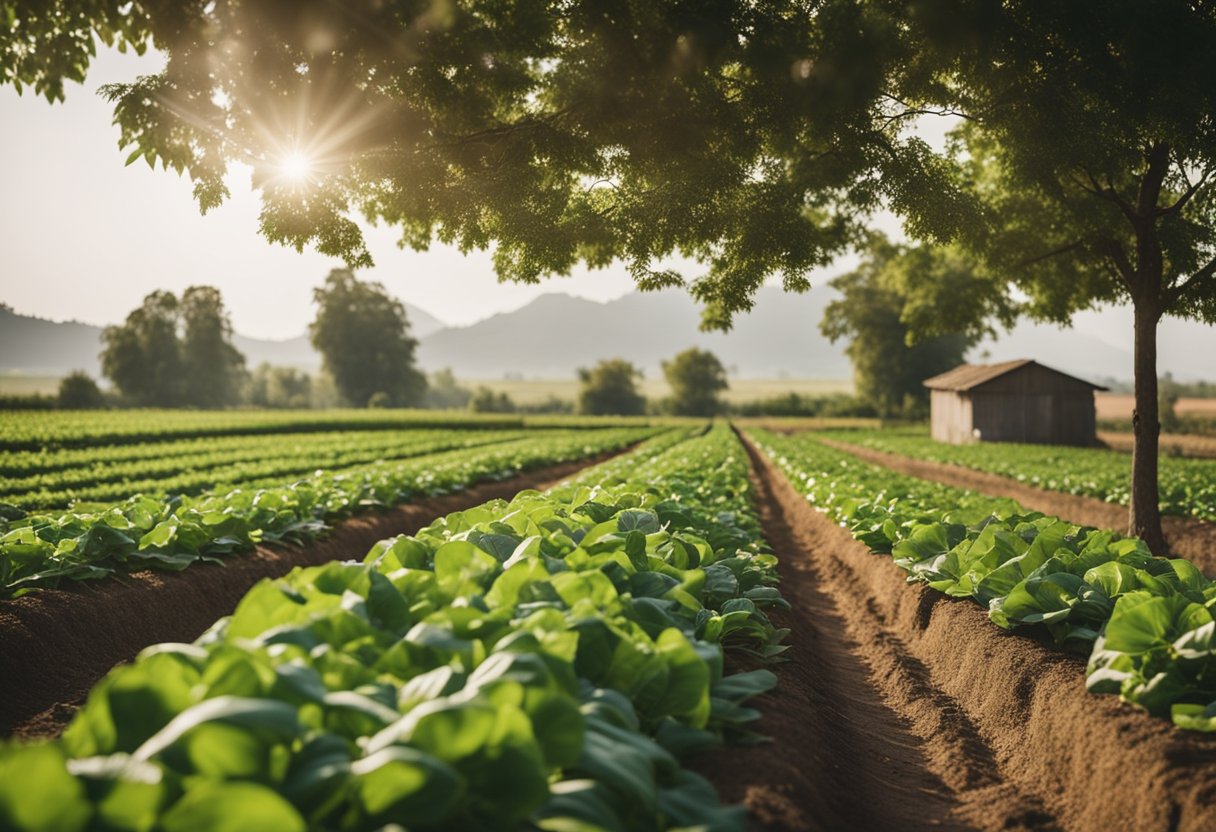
1144,516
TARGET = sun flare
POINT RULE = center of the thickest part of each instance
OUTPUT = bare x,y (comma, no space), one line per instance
296,166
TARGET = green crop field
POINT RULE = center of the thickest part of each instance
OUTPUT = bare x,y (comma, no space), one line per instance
172,503
1145,622
1188,486
528,662
273,557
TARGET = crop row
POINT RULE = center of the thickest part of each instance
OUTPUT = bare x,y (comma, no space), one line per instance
1145,622
545,663
1187,486
43,548
280,458
240,446
31,430
35,430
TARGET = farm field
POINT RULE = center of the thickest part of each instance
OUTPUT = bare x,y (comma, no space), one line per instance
133,507
273,558
619,628
1188,486
1121,405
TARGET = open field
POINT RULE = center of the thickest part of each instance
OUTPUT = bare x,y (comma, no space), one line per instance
15,384
535,391
1121,405
670,591
1188,486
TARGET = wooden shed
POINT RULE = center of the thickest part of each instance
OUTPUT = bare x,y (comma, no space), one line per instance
1014,401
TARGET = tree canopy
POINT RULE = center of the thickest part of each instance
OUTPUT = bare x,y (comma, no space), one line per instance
878,303
172,353
611,388
363,336
695,377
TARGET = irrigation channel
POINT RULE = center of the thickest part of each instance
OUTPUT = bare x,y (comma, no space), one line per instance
898,709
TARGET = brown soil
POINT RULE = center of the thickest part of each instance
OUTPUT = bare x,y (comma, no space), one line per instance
55,644
1180,444
1187,537
903,709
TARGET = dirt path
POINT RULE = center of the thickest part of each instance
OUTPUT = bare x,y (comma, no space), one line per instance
902,709
1187,537
56,644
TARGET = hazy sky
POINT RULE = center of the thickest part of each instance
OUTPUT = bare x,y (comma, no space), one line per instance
86,238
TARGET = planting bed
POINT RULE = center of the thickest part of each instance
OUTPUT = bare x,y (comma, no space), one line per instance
55,644
1187,537
921,714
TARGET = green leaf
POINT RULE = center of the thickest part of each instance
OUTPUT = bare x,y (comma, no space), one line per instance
405,786
231,807
37,794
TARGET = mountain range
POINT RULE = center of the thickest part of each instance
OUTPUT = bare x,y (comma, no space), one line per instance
555,334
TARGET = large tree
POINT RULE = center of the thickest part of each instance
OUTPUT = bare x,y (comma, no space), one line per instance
696,378
880,304
142,357
363,336
756,136
611,388
1089,145
214,368
172,352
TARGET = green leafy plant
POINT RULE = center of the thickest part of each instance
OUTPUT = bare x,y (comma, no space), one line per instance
1144,621
547,660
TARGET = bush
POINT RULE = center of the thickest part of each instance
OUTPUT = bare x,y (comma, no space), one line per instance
78,391
486,400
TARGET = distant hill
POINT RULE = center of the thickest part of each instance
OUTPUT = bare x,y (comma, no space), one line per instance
36,346
555,334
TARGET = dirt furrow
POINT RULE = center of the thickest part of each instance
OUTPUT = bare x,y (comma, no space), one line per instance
1187,537
982,729
56,644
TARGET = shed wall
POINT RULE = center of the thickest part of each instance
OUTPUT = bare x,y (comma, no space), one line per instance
1030,404
950,416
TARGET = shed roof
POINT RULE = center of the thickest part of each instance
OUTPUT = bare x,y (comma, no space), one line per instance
970,376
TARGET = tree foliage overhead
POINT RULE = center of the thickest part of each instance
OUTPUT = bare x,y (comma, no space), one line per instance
736,133
880,302
611,388
363,336
695,377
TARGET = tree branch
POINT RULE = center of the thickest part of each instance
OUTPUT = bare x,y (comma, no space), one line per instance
1118,256
1150,185
1181,202
1110,195
912,110
1055,252
1194,281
